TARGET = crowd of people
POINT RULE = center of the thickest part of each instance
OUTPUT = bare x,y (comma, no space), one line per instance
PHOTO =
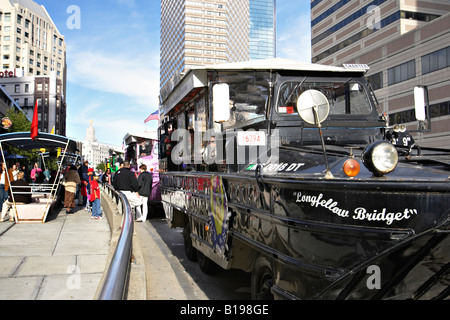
137,188
79,183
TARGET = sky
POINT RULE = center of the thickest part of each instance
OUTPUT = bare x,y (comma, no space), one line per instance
113,60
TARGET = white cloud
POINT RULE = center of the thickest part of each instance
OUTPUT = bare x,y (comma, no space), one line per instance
129,75
121,91
294,38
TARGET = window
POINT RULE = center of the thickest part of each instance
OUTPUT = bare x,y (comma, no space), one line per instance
376,81
248,96
436,110
402,72
436,60
344,98
17,88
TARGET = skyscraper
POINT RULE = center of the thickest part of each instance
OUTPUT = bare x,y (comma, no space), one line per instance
32,48
262,29
196,33
203,32
405,44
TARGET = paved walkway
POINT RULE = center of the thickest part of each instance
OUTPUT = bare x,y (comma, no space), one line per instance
63,259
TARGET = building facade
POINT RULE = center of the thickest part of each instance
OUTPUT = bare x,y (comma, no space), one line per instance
405,43
35,51
6,103
47,91
204,32
93,151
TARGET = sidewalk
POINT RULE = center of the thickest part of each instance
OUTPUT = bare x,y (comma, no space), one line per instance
63,259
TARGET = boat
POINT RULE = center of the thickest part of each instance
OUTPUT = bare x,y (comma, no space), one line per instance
45,194
290,171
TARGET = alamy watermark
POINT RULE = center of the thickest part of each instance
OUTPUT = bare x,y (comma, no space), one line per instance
73,282
74,20
374,280
374,20
213,147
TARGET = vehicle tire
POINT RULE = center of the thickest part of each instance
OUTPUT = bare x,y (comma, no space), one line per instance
189,249
262,279
206,265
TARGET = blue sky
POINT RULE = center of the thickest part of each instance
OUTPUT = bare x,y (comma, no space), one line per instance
113,60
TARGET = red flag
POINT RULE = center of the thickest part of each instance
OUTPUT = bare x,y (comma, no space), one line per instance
34,123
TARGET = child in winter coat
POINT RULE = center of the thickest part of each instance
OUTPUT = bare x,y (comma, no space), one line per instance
95,198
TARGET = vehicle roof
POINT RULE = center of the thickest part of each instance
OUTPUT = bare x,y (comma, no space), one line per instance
134,136
277,64
197,76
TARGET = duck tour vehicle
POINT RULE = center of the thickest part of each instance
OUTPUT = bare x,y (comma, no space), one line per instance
290,171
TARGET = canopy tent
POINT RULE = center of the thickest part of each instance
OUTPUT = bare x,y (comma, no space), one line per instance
14,156
22,140
43,195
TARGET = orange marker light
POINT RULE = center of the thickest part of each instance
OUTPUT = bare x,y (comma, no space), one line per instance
351,168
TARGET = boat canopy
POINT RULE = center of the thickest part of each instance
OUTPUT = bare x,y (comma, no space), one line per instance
43,195
22,140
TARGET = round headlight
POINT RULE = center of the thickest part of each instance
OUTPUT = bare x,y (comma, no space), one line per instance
380,158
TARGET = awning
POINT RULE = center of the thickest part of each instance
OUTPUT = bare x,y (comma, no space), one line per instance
22,140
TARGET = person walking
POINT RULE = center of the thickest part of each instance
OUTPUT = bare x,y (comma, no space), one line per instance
83,173
145,181
72,179
126,182
90,175
22,195
5,178
95,198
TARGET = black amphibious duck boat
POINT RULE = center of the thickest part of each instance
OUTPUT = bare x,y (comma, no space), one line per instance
291,172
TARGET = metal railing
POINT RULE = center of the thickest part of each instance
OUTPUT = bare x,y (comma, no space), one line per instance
116,280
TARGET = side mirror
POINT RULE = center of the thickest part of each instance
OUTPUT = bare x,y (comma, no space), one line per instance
313,107
221,102
420,104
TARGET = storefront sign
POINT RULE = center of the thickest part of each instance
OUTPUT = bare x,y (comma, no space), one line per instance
8,74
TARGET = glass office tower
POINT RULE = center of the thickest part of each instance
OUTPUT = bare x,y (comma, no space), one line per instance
262,29
197,33
203,32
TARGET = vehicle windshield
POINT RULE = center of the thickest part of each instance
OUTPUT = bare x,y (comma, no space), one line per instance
249,92
345,98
